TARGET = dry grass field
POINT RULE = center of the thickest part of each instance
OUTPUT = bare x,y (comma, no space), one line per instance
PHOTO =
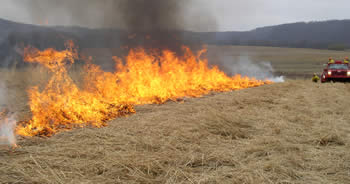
292,132
290,62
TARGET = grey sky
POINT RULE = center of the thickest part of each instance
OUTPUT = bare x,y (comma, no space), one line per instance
200,15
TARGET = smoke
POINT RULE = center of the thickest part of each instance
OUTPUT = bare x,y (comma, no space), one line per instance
245,66
7,120
2,92
87,13
133,15
155,23
154,15
262,70
7,130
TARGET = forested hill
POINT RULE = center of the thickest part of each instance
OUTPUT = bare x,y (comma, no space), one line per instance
324,35
333,34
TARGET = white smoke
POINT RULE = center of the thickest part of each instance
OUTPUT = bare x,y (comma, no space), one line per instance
2,94
7,120
7,131
259,70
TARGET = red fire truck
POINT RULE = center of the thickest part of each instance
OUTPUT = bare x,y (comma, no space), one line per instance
336,72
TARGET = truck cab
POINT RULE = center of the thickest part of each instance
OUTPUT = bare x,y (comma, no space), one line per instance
336,72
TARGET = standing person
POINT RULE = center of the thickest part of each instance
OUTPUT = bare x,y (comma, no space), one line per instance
331,61
346,60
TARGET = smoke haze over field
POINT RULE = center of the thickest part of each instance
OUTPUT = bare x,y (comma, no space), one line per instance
156,22
198,14
7,131
128,14
152,14
260,70
3,95
7,124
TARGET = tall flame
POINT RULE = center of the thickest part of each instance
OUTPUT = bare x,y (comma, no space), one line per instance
62,105
142,78
156,78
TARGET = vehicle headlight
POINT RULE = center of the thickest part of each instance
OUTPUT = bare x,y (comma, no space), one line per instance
348,73
329,72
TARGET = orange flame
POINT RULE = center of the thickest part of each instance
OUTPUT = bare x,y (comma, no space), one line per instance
152,78
44,22
143,78
61,105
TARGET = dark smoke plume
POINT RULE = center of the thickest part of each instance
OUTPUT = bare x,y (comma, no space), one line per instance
150,23
156,23
152,15
134,15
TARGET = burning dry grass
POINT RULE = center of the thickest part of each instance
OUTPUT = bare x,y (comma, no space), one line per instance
293,132
144,77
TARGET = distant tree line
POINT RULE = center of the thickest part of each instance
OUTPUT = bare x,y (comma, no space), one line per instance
333,35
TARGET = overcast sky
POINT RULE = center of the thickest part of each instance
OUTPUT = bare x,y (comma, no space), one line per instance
200,15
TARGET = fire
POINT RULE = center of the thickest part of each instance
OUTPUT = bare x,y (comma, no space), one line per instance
140,78
44,22
148,78
62,105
